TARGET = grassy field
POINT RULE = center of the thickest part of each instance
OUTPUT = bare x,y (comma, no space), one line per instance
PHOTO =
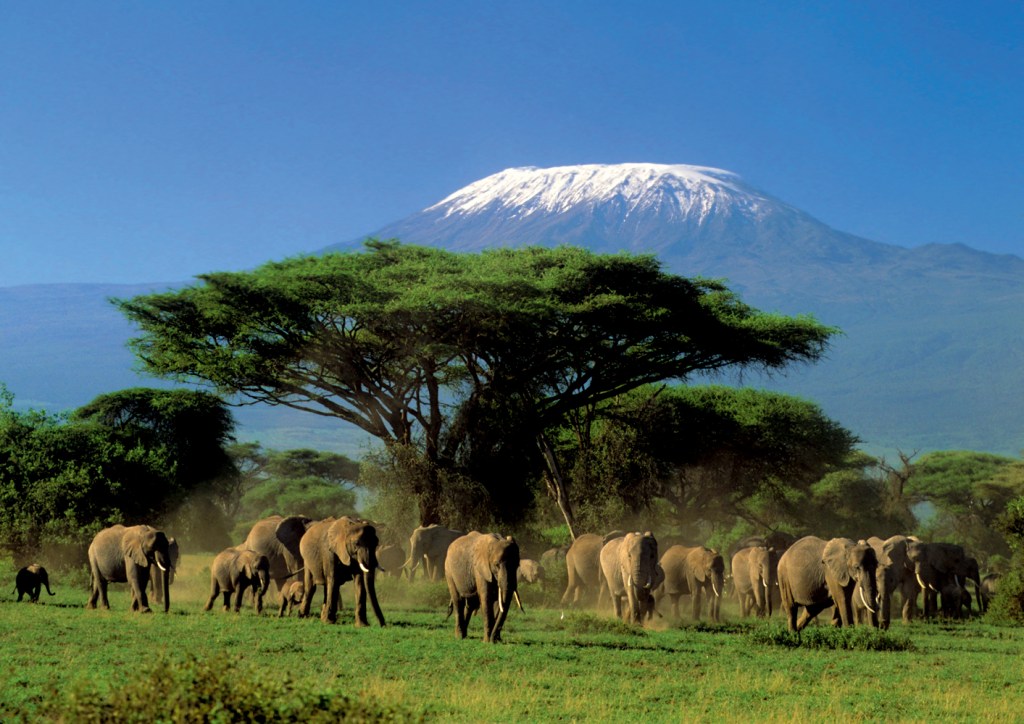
583,667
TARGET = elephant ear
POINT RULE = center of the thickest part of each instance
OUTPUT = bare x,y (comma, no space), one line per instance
338,537
291,529
131,547
834,559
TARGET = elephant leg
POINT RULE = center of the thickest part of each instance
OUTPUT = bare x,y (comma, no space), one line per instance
239,592
695,596
807,614
104,601
214,590
329,611
227,600
488,612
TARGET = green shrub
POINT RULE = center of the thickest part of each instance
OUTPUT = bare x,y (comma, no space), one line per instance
856,638
588,623
1007,608
215,690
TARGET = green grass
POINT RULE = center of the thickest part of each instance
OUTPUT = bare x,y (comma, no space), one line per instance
59,660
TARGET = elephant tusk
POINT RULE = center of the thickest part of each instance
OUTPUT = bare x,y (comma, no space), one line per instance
629,583
501,608
864,600
363,568
715,589
518,602
160,566
648,584
920,582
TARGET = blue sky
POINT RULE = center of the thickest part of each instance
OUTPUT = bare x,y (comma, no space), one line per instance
152,141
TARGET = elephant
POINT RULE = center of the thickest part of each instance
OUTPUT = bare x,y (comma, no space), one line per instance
895,572
553,557
291,596
583,563
335,552
816,574
954,599
989,589
480,570
754,574
530,571
935,565
628,571
31,580
693,570
429,544
391,559
155,581
235,570
277,537
122,554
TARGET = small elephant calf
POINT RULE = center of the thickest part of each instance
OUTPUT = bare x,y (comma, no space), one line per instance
31,579
233,571
291,596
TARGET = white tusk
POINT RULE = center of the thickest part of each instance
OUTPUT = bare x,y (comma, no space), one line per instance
714,588
920,582
364,568
648,584
160,567
501,609
519,602
864,600
630,581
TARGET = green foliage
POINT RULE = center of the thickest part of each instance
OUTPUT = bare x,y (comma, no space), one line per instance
465,357
130,457
217,689
710,454
1008,605
969,492
856,638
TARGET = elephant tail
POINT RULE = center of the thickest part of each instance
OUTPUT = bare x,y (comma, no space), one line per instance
295,573
451,610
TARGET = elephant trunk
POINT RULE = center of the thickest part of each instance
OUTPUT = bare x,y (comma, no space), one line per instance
506,591
165,577
46,583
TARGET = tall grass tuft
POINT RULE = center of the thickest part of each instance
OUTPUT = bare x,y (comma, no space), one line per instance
214,690
856,638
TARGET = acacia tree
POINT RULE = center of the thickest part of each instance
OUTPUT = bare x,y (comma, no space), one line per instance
708,455
419,347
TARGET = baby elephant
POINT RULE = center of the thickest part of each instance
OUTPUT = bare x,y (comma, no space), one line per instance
31,580
291,596
234,571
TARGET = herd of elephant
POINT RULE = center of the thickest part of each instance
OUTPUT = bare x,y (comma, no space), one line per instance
299,554
857,579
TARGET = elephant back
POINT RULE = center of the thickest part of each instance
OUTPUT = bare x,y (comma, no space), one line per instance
584,557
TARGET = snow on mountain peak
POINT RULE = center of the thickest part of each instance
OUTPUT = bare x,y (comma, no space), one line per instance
675,190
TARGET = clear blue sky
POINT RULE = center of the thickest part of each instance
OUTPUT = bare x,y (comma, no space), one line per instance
152,141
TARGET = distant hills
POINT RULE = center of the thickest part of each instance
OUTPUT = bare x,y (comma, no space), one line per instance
932,355
933,345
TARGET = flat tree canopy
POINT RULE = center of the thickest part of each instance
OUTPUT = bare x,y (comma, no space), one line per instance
406,342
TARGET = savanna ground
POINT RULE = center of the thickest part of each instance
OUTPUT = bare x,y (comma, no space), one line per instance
60,661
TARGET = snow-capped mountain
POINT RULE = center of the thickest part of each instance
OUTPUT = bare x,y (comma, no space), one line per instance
929,334
929,356
674,192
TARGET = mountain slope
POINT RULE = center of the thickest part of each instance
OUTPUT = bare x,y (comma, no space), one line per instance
932,344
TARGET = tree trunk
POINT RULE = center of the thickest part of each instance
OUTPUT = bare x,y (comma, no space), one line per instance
556,485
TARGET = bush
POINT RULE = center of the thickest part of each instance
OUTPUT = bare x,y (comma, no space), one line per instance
217,690
856,638
1007,607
